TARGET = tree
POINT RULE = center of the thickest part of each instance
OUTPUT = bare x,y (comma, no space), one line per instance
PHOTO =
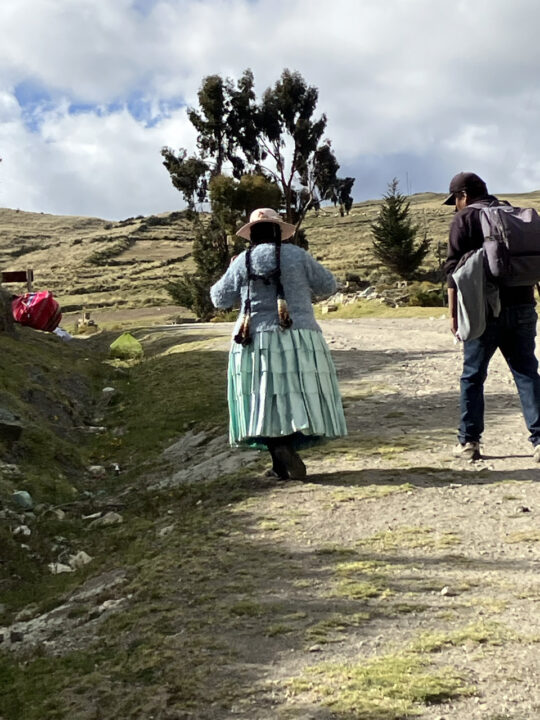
231,200
249,155
305,167
211,257
279,138
188,175
394,235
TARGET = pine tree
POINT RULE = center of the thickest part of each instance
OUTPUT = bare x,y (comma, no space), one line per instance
394,235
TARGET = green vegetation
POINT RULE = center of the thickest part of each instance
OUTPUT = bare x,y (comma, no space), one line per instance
387,688
394,235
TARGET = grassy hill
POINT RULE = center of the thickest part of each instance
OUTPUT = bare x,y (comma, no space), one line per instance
94,264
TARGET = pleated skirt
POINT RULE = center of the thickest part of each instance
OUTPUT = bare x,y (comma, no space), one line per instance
283,383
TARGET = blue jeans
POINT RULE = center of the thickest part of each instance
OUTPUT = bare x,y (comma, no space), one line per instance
513,332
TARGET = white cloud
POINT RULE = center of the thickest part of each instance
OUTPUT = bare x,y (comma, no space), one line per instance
85,164
424,87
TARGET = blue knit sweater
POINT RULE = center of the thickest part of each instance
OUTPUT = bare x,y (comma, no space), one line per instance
302,277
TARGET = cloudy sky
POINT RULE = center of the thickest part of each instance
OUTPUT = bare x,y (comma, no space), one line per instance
90,90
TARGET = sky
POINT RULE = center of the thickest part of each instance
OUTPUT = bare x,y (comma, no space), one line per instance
91,90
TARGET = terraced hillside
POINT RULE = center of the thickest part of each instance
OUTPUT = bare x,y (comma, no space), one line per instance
91,263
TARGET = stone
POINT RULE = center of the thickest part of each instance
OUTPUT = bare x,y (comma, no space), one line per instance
167,530
447,591
23,499
110,518
10,427
59,568
10,471
92,516
27,613
79,560
16,636
97,471
23,530
95,429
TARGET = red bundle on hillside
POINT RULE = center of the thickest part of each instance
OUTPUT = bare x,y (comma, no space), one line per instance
38,310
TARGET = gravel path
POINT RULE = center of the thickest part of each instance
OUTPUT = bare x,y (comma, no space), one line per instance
438,545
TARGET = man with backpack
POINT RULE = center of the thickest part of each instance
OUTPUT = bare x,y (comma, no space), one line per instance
512,330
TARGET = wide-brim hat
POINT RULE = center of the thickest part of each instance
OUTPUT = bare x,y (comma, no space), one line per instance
266,215
468,182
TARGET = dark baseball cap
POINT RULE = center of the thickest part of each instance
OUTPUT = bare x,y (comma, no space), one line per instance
467,182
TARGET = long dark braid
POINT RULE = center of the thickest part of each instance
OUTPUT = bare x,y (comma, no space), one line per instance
260,234
285,320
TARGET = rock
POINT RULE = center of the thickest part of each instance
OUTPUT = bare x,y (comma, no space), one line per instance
167,530
315,648
79,560
16,636
23,499
58,513
59,568
10,427
328,309
27,613
10,471
23,530
93,516
108,391
446,590
97,471
110,518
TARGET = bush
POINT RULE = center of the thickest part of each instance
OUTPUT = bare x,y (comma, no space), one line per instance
427,295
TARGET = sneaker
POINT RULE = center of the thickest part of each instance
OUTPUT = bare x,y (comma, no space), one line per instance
470,451
536,454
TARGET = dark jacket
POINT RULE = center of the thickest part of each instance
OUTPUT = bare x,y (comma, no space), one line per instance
466,235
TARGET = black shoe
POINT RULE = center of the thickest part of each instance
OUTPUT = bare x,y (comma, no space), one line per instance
292,461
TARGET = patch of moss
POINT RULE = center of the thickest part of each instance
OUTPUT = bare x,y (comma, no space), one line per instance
387,688
479,633
409,537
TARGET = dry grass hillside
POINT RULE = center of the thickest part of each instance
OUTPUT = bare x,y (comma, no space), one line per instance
94,264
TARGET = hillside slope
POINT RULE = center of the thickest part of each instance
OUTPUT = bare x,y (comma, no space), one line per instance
91,263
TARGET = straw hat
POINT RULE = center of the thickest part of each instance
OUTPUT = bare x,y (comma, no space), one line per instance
266,215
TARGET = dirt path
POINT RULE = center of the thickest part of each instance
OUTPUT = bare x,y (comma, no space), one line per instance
396,582
394,552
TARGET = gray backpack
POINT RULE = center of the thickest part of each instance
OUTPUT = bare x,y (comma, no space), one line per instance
511,243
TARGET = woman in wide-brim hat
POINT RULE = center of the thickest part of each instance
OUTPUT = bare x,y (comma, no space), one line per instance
282,387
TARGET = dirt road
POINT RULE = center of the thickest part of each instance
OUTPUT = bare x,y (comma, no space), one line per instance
398,552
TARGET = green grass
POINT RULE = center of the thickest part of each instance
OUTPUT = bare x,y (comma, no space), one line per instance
391,687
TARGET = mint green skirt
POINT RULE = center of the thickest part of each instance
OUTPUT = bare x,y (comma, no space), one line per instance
283,383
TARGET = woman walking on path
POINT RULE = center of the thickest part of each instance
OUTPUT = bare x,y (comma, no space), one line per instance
282,386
